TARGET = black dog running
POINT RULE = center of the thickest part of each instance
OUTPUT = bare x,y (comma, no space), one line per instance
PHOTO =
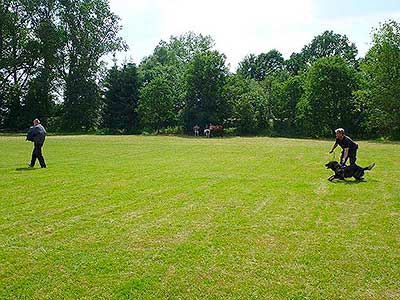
342,172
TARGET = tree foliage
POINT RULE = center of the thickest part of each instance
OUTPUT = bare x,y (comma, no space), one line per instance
289,94
18,56
170,60
251,111
261,66
205,81
330,44
381,89
50,51
121,99
328,101
90,30
327,44
156,106
51,67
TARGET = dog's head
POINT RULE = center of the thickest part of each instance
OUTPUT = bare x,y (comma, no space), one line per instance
333,165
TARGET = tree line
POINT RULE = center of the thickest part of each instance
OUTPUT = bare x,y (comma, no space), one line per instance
51,67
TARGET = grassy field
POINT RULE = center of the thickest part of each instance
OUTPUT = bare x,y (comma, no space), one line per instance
132,217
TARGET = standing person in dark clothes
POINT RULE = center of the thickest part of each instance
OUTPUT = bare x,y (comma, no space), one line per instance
348,145
37,135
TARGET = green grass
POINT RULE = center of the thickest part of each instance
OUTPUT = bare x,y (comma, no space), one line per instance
130,217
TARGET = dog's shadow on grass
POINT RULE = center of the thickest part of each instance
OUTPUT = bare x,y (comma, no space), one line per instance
25,169
354,181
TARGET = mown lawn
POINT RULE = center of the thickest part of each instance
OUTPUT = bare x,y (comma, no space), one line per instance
132,217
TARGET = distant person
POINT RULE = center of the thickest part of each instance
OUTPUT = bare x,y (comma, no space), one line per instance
196,129
207,131
37,135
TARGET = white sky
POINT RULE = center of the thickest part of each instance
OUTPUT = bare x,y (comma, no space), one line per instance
253,26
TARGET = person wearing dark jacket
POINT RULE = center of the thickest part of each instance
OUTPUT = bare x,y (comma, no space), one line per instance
37,135
348,145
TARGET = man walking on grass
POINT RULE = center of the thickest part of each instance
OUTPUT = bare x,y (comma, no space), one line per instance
37,135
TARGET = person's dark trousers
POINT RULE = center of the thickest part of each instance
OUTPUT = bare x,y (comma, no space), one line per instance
37,153
352,156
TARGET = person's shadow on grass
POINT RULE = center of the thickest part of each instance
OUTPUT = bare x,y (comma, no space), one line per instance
25,169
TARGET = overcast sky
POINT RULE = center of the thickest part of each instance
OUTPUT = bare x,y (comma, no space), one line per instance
253,26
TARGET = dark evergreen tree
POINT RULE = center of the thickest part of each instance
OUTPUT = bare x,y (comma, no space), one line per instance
121,99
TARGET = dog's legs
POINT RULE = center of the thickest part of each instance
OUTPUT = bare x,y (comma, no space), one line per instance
340,177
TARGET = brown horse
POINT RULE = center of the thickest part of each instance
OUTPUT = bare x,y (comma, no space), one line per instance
217,130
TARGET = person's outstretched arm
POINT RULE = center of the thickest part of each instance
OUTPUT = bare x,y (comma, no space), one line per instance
334,147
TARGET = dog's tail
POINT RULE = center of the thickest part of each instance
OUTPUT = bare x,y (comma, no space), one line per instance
369,167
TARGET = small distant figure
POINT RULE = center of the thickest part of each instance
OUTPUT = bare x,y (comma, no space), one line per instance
37,135
216,130
207,131
196,129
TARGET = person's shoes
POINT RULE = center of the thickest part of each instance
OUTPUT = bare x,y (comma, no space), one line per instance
371,166
43,167
30,166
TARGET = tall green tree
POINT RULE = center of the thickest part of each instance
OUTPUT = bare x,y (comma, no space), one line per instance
252,110
90,31
330,44
328,101
327,44
289,95
121,98
271,86
170,60
295,64
157,105
234,88
18,57
381,89
246,105
247,68
40,98
261,66
204,90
